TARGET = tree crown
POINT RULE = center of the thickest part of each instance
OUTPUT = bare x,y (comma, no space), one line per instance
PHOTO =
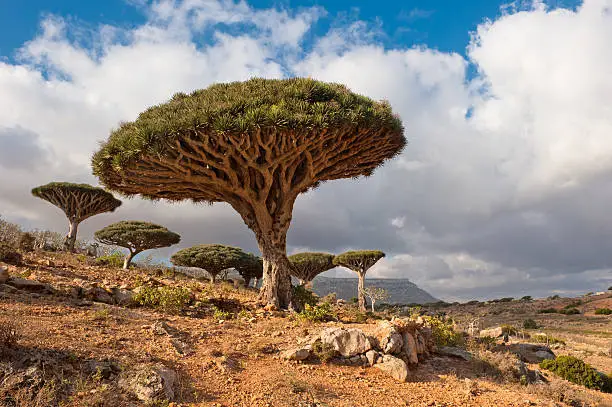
252,267
78,201
259,124
358,260
307,265
137,236
213,258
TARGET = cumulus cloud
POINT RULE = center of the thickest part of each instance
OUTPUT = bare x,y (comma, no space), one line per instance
501,191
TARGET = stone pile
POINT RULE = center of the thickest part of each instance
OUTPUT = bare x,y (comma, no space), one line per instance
392,347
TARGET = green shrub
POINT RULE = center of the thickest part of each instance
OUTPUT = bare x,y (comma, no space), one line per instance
166,298
543,338
526,298
508,329
443,331
220,314
548,311
317,313
114,259
576,371
554,297
573,304
303,296
9,255
530,324
603,311
324,352
569,311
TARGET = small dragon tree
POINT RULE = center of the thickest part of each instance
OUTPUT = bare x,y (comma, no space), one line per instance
256,145
78,201
359,262
214,258
136,237
251,269
306,266
376,294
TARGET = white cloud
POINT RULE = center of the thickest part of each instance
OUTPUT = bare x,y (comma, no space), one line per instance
506,200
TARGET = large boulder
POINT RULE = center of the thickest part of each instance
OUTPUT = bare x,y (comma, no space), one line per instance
388,338
98,294
347,342
492,332
297,353
394,367
455,352
410,348
528,352
29,285
122,296
150,383
372,357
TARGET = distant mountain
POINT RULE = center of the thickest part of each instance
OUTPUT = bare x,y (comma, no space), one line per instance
401,291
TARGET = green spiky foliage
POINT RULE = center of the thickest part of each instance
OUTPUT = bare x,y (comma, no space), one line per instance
256,145
307,265
214,258
359,261
251,269
137,237
78,202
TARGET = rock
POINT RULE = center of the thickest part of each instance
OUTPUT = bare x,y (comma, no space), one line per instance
8,289
528,352
347,342
491,332
395,367
30,378
358,360
104,369
410,348
98,294
297,353
388,338
161,328
4,275
150,383
181,347
122,296
454,351
76,292
29,285
371,357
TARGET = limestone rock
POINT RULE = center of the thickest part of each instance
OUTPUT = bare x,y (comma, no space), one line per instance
150,383
394,367
454,351
372,357
528,352
29,285
347,342
122,296
388,338
98,294
491,332
410,348
297,353
4,275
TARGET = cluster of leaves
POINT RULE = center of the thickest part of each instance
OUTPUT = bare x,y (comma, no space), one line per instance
113,259
443,331
214,258
550,340
548,311
323,351
219,314
569,311
603,311
576,371
358,260
508,329
302,296
137,236
171,299
237,108
317,313
530,324
306,266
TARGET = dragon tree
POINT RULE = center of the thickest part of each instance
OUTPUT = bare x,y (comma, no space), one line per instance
359,262
306,266
136,237
78,201
256,145
214,258
251,269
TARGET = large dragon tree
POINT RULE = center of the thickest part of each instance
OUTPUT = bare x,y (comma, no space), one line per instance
307,265
360,262
256,145
214,258
78,201
251,269
137,237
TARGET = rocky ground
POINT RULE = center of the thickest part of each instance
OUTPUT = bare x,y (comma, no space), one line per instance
79,342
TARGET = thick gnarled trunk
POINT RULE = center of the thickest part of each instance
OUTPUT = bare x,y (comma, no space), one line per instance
70,239
276,289
128,260
360,291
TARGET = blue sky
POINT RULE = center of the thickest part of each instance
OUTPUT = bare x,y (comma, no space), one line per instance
441,24
511,199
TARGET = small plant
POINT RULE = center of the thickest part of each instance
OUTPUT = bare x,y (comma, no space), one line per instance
114,259
324,352
548,311
167,298
221,315
101,314
603,311
547,339
443,331
569,311
576,371
302,296
317,313
530,324
508,329
10,334
526,298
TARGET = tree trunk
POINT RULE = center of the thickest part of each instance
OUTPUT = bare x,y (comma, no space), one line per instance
247,281
276,289
70,239
308,285
372,304
128,260
255,282
212,277
360,291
